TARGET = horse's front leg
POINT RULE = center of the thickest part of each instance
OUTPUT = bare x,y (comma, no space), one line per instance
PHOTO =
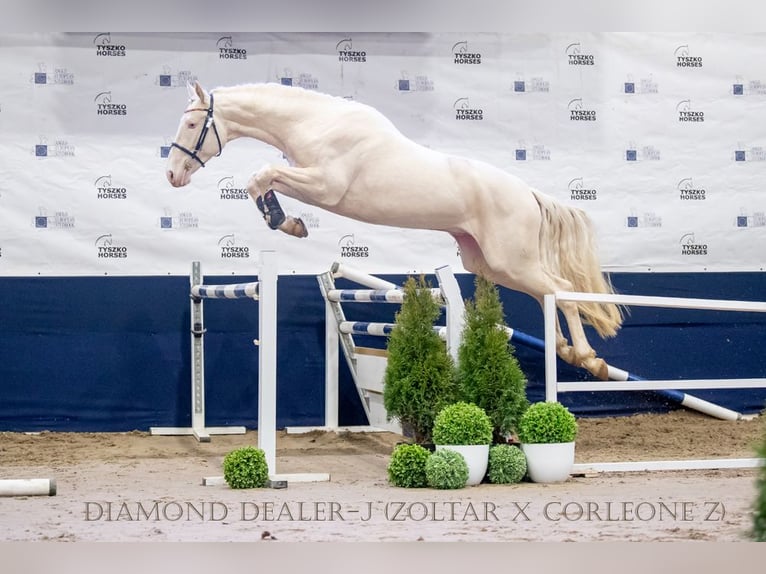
260,189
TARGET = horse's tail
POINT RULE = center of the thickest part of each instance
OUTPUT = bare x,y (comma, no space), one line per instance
568,249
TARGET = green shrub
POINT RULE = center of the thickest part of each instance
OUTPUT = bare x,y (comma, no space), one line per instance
419,378
759,514
488,373
246,467
547,422
507,464
462,424
407,467
446,470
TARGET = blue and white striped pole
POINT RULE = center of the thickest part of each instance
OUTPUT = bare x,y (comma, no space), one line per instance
234,291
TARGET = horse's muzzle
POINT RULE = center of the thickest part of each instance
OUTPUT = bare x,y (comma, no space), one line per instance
178,179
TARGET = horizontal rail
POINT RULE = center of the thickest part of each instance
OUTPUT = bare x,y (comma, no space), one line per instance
378,329
234,291
372,295
655,385
667,302
365,328
340,270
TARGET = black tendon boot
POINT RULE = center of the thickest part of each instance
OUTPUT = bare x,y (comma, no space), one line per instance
269,206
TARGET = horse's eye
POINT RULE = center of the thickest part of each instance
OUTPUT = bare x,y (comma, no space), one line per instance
192,125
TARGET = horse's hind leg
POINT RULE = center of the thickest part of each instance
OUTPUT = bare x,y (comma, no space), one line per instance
523,273
583,354
580,353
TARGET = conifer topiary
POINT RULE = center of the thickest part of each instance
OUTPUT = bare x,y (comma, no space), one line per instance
488,372
419,377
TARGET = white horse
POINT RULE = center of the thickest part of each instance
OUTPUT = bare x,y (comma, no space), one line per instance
349,159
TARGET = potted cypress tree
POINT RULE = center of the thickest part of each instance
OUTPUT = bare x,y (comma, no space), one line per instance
419,377
488,373
547,432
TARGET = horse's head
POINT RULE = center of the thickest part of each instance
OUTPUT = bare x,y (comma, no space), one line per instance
197,139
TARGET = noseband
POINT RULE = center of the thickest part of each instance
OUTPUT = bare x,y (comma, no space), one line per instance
209,122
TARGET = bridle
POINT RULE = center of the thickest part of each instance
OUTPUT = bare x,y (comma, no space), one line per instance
209,122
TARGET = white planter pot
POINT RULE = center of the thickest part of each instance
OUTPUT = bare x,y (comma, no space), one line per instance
549,462
476,457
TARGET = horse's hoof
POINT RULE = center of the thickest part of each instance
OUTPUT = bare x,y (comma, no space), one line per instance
302,232
294,226
597,367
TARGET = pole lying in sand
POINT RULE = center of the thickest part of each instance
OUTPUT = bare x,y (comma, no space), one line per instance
28,487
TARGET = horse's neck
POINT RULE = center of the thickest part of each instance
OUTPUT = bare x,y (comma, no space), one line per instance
263,112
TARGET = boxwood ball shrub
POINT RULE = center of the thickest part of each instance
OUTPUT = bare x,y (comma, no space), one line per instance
507,464
407,467
246,467
446,470
547,422
462,423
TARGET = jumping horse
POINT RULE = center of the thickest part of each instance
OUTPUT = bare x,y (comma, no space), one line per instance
347,158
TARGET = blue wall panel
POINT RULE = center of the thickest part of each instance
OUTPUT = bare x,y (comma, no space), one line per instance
113,354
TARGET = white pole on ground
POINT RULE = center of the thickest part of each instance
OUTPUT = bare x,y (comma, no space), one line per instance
27,487
267,359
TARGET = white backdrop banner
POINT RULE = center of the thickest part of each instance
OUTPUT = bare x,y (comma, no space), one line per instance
661,138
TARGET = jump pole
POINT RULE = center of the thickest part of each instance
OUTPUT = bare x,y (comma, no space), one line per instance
28,487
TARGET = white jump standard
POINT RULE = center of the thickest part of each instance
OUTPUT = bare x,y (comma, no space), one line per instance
264,292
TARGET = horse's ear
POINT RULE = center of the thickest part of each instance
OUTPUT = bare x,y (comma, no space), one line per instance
196,90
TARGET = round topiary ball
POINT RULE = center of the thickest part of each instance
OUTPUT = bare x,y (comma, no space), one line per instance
507,464
446,470
407,467
547,422
462,423
246,467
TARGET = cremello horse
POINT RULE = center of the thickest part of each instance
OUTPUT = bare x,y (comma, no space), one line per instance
349,159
